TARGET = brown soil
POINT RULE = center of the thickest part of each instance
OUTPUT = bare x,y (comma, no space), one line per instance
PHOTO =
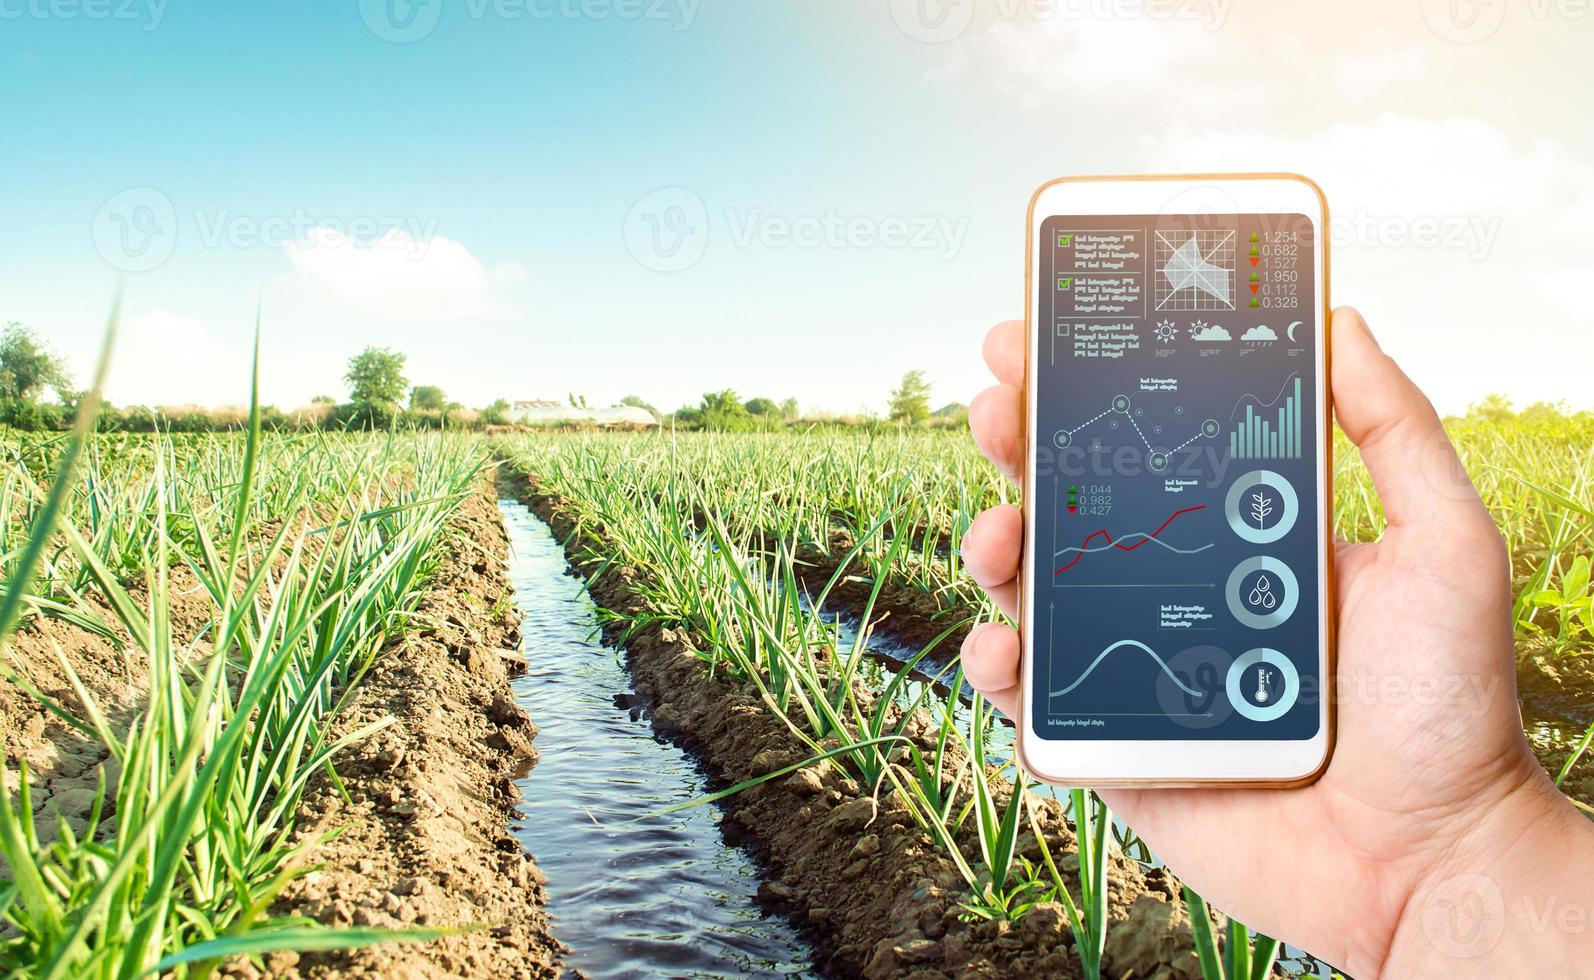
64,764
1558,705
1559,690
1562,687
878,897
427,840
910,616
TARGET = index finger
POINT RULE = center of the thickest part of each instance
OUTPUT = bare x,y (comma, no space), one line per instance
1004,352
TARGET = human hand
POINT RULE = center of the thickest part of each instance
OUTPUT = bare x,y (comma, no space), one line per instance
1434,839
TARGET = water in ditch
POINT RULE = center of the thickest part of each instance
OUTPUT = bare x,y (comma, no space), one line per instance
666,896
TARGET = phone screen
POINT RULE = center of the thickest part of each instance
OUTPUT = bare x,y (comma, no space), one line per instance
1175,572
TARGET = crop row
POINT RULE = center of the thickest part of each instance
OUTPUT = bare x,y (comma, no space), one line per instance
707,568
309,555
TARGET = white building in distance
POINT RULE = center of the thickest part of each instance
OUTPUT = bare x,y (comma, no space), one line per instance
559,413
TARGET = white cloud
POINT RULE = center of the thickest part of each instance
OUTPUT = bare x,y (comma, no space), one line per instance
1458,169
509,272
1367,74
1466,245
401,276
155,360
1165,69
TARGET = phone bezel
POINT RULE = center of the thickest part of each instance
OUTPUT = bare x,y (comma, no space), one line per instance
1194,762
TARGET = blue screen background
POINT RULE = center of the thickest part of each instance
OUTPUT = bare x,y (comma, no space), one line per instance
1175,564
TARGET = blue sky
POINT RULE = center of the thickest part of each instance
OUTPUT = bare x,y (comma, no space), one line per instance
612,197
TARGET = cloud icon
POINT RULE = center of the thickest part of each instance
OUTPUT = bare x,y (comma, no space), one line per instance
1259,332
1208,331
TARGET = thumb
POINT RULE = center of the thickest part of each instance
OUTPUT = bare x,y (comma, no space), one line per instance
1419,478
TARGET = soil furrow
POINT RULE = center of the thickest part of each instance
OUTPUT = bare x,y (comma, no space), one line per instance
432,796
879,898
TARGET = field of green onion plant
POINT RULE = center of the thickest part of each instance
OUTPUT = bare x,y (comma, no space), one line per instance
746,542
309,553
245,583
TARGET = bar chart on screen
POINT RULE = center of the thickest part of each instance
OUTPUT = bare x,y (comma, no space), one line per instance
1268,430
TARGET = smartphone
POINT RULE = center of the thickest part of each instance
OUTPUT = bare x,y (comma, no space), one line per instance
1178,561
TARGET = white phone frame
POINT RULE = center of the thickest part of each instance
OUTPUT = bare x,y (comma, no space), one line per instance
1195,762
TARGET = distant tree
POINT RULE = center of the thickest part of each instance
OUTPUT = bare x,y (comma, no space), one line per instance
910,402
723,410
323,400
577,401
762,406
27,366
635,401
496,414
789,411
1493,408
687,416
951,415
1546,412
376,379
427,398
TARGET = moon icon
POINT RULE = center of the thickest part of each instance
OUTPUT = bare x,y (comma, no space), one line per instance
1290,332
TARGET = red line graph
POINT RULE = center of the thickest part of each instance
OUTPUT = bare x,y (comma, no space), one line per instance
1103,533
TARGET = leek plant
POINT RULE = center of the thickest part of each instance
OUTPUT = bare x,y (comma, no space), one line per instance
179,860
739,595
714,527
1246,955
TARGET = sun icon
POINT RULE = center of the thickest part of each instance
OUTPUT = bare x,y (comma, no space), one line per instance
1198,328
1166,331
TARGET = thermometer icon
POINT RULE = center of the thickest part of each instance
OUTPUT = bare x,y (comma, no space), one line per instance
1262,679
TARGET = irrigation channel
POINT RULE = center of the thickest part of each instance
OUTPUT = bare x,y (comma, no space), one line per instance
667,894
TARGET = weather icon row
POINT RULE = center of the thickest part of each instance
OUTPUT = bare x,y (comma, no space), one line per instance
1203,332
